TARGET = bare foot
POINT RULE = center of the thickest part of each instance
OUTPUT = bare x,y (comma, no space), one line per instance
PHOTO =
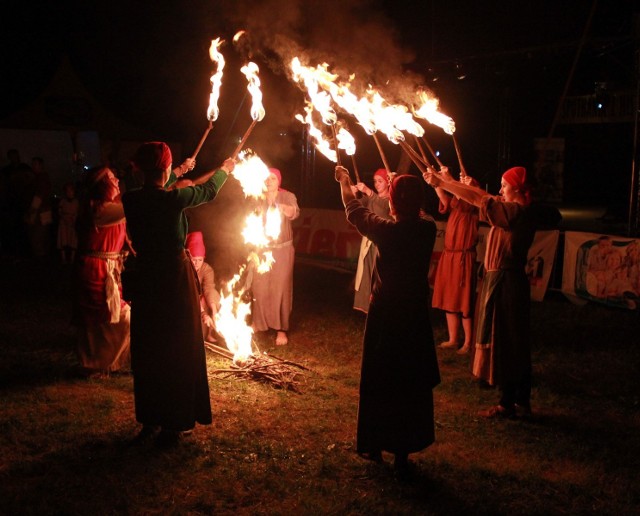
448,344
281,338
463,350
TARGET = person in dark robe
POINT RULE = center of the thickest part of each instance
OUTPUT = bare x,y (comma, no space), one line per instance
503,348
399,363
167,356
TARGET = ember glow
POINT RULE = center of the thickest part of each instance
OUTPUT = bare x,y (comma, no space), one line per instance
216,79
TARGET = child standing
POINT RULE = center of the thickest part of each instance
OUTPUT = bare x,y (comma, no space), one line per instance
67,235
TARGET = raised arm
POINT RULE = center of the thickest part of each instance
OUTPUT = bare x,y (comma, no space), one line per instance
469,193
342,177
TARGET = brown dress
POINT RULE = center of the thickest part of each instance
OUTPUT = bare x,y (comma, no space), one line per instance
503,350
454,285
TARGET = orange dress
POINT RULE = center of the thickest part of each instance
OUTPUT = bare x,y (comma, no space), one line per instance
454,285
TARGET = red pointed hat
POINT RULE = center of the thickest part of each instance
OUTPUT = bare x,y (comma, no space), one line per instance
153,157
516,176
382,172
195,244
276,173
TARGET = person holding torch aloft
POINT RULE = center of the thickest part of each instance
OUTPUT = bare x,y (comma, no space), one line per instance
170,380
399,363
454,285
503,349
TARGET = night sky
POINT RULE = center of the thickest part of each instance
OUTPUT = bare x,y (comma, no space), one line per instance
147,62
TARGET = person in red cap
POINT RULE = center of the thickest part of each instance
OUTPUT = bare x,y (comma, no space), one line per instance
503,350
170,381
378,203
454,286
210,297
273,290
399,363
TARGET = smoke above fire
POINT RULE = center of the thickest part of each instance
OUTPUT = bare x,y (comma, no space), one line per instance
355,37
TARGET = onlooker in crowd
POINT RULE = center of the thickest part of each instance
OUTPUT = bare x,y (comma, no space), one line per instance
399,364
454,288
378,203
68,207
168,359
273,290
103,315
39,217
503,349
16,183
209,296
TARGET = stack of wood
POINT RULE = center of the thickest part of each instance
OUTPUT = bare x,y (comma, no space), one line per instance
276,371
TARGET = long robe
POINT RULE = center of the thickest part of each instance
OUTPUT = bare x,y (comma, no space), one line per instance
399,363
273,290
167,353
454,285
103,315
367,255
503,349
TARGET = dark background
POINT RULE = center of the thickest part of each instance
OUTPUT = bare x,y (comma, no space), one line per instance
499,69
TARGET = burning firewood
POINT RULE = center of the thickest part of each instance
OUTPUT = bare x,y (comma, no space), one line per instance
276,371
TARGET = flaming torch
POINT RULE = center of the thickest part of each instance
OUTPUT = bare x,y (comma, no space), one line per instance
347,142
250,70
216,82
321,144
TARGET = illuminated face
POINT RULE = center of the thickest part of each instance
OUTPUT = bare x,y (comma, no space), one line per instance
197,262
113,190
272,183
508,192
381,185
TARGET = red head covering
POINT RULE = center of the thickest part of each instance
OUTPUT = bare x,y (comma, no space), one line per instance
153,157
276,173
517,177
382,172
406,195
195,244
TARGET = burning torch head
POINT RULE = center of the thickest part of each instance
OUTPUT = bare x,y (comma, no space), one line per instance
406,196
153,157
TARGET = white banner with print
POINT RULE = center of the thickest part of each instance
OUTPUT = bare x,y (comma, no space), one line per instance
602,268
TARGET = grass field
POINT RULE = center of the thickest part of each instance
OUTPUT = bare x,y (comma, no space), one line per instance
64,441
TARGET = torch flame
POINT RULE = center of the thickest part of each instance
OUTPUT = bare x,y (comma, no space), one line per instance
428,110
216,79
346,141
321,144
250,70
